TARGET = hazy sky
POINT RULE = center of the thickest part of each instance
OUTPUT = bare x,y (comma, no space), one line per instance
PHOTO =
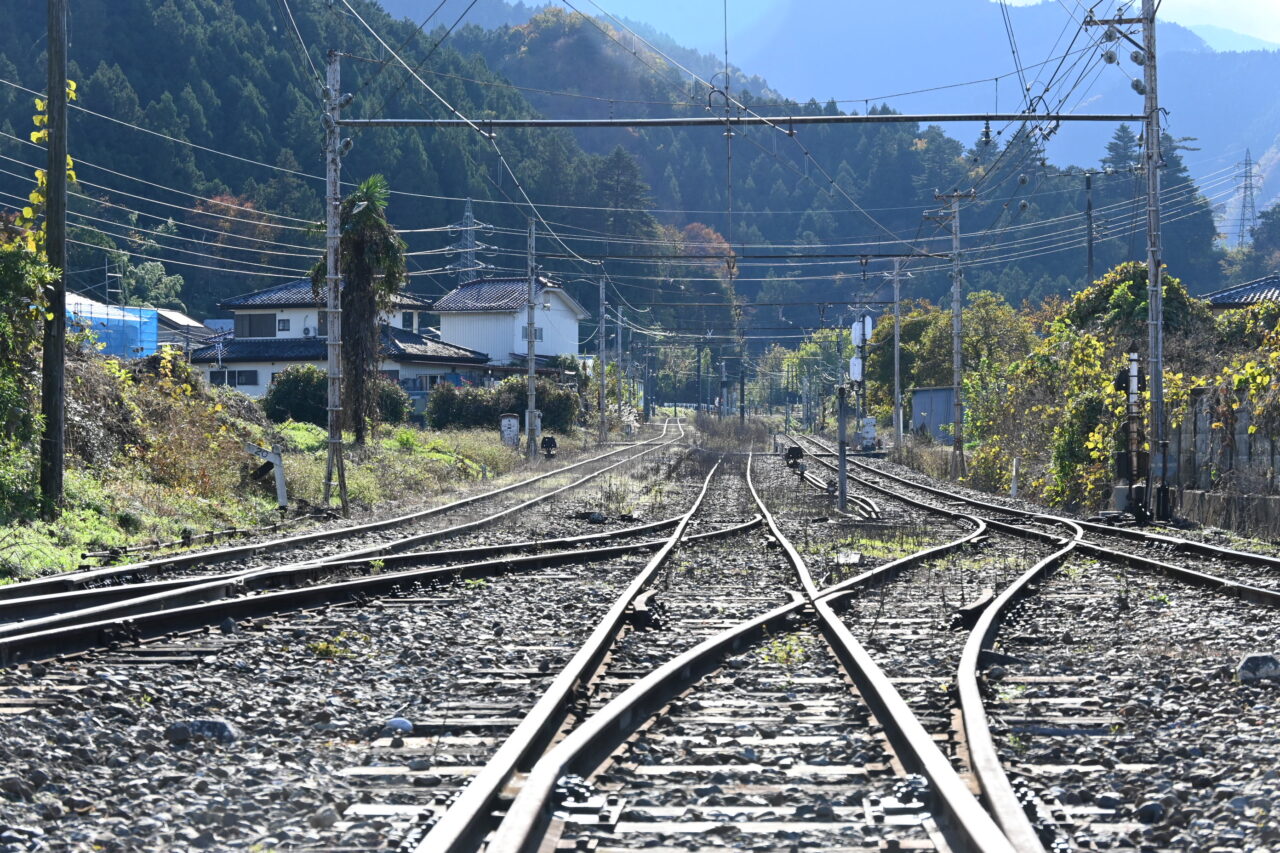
1260,18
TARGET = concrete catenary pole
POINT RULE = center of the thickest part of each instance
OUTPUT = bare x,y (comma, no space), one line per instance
957,310
842,436
617,364
1155,292
602,378
531,410
897,351
1088,227
335,470
53,386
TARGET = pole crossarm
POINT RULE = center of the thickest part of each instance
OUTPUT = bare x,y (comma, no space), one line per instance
782,123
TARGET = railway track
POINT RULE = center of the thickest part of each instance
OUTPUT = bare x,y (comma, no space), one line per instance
697,682
335,543
1042,690
748,730
42,624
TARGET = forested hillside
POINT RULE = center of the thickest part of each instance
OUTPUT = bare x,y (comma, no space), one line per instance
236,208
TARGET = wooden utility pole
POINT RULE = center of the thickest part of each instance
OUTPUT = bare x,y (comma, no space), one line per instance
602,367
335,469
531,411
53,386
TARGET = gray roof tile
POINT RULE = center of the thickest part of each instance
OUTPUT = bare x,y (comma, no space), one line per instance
1265,289
397,344
300,294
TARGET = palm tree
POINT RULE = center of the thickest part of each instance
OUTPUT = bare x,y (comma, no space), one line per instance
373,273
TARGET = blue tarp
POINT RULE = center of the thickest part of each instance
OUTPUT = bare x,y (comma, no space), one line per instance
124,332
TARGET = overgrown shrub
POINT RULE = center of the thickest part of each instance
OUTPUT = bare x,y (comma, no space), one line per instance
480,408
298,394
394,403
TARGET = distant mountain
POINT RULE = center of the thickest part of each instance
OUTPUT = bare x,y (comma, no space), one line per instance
1223,39
869,51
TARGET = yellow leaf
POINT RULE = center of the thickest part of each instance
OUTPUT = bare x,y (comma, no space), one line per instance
28,213
71,175
48,316
71,85
35,135
41,105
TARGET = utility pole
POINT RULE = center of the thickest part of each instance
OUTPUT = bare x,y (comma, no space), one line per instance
334,465
842,436
53,385
897,351
1152,162
957,306
724,387
602,368
531,412
697,400
742,390
617,366
1155,289
1088,227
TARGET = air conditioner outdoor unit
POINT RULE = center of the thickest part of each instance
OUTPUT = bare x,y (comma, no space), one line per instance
308,332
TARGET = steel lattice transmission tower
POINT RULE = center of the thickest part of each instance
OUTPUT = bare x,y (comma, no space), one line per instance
1248,206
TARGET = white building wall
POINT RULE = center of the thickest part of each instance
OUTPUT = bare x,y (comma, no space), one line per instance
560,328
501,333
485,331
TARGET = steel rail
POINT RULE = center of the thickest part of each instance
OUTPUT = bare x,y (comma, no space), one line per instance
1174,542
462,827
997,791
21,611
963,821
984,759
222,585
1249,592
125,627
968,828
78,579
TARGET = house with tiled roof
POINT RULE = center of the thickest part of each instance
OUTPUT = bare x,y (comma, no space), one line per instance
491,315
286,325
1265,289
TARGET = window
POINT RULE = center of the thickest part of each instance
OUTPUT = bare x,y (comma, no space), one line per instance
406,320
233,378
524,333
256,325
282,325
322,324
